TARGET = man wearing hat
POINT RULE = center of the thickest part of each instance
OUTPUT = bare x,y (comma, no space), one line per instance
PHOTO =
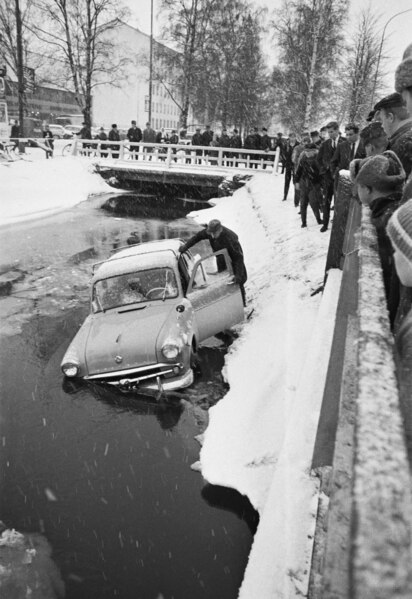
397,123
403,85
221,238
379,181
114,135
327,171
134,135
374,139
197,140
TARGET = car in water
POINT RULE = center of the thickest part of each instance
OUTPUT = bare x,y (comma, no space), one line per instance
151,307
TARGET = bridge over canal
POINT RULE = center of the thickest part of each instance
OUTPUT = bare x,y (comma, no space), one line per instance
194,171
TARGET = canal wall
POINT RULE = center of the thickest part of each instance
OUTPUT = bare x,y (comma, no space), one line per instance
366,532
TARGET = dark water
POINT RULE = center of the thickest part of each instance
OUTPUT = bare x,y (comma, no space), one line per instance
105,477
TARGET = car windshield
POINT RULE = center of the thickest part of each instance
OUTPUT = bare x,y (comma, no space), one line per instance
134,288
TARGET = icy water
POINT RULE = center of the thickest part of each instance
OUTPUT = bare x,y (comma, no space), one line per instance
104,477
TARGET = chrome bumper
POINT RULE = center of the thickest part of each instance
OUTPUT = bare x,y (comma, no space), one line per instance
148,377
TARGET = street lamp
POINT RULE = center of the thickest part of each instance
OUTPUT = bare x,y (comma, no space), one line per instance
151,63
380,50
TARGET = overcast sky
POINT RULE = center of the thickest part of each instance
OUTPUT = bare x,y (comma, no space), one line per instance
398,33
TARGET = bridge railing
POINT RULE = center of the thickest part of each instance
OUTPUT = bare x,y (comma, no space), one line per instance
368,541
170,156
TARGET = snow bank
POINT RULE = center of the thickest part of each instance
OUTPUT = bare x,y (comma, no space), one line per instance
33,189
260,436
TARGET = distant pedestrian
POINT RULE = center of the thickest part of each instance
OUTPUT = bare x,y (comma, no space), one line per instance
327,168
85,133
290,144
48,141
114,135
102,136
15,134
134,135
197,140
207,136
316,138
348,150
307,177
149,136
220,238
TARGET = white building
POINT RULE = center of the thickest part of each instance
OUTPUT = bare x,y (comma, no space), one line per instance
130,101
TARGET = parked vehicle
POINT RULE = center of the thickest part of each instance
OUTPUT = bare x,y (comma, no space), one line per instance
57,130
151,307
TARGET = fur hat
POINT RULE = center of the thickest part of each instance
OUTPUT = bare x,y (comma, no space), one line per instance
392,101
383,172
399,229
403,73
372,131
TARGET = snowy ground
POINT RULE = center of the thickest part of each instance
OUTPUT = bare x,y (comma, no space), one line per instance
260,436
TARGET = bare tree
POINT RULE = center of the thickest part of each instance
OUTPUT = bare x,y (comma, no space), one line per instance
309,36
81,34
361,71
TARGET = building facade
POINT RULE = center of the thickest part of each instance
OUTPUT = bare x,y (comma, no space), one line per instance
129,99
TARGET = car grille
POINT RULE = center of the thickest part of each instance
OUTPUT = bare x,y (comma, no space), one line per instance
135,376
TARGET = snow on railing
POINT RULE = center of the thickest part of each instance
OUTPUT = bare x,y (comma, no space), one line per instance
368,551
169,156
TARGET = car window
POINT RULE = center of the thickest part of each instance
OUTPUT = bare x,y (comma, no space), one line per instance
134,288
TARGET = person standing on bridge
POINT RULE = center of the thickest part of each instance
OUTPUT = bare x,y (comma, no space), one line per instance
149,137
134,135
114,136
220,238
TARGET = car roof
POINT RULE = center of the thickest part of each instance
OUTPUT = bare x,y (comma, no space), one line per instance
155,254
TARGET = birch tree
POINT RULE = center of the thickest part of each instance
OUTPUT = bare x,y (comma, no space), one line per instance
310,39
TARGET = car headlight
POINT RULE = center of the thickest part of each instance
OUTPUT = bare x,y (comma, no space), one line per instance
171,350
70,369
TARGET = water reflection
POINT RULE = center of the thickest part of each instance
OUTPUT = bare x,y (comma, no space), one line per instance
167,411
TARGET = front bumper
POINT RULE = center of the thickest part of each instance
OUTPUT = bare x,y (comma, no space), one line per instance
156,377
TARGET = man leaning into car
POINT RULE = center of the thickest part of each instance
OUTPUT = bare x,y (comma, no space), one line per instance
222,238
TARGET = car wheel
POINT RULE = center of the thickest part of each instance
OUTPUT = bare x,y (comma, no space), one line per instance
194,358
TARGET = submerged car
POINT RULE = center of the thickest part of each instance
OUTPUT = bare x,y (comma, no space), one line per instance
151,307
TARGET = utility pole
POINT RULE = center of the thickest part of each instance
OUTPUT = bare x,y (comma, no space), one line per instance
20,75
151,62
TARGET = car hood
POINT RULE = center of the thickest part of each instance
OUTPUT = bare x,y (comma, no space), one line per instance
120,340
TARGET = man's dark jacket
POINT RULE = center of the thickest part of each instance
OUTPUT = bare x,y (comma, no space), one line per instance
326,152
381,211
134,134
227,240
401,143
342,156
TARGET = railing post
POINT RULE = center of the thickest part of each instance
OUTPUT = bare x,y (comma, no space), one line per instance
168,157
74,147
121,150
220,157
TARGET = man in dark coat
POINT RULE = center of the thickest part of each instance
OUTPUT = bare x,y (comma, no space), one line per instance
149,136
348,150
220,238
326,168
102,136
397,122
287,162
134,135
308,178
114,135
48,141
207,136
197,140
85,133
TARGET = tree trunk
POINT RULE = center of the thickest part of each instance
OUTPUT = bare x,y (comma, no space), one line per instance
20,76
312,73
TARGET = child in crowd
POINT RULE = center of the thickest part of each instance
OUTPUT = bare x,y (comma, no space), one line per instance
400,233
379,180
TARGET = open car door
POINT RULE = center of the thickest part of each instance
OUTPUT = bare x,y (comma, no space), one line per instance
215,297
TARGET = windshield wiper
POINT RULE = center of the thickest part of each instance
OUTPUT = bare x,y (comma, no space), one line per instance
131,309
